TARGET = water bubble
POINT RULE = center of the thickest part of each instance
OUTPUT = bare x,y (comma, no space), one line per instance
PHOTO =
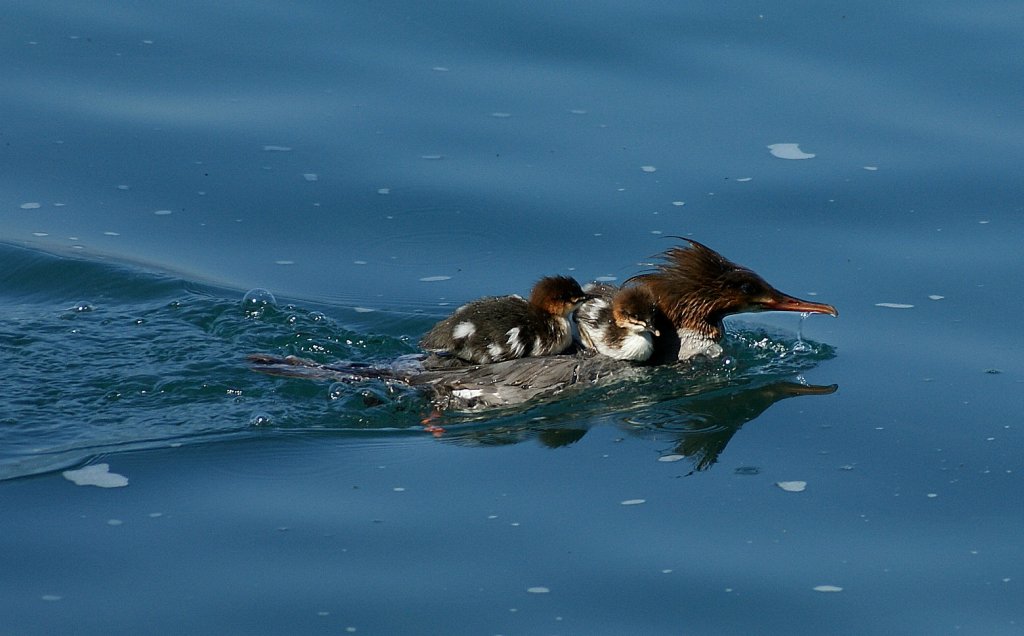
337,391
801,347
256,301
317,316
82,308
259,419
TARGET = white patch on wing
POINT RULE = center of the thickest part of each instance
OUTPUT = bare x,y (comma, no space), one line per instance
467,394
515,343
464,329
496,350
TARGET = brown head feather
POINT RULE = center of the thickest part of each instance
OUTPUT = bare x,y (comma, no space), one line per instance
696,287
557,295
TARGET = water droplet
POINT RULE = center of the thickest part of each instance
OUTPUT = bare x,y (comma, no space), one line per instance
259,419
256,301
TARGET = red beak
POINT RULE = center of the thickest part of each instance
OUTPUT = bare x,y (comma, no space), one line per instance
782,302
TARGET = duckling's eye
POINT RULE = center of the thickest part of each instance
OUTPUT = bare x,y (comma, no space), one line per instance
748,288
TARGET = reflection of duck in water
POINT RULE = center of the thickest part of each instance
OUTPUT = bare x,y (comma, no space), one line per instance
698,426
694,287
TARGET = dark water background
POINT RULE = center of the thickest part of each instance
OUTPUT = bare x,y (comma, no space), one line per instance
160,160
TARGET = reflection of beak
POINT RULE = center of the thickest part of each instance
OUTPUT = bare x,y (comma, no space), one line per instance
782,302
795,388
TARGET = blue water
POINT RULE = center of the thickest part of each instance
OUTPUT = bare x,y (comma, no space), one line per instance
374,165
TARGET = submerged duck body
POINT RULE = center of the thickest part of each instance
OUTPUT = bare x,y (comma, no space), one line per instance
618,323
500,328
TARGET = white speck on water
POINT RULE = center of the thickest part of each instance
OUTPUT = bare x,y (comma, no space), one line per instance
827,588
284,262
323,613
434,279
492,516
789,151
162,212
155,515
363,310
124,186
440,69
538,590
648,168
792,486
578,111
983,222
656,232
51,597
501,115
679,204
277,148
671,458
383,190
359,262
40,234
606,279
935,297
311,176
147,41
114,522
667,571
431,157
932,495
96,475
398,489
745,179
894,305
108,233
633,502
31,205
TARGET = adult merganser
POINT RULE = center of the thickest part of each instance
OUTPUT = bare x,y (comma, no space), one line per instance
499,328
618,323
696,287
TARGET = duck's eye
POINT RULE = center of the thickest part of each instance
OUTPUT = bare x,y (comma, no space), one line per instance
747,288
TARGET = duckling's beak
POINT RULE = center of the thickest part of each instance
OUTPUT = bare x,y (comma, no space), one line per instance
649,326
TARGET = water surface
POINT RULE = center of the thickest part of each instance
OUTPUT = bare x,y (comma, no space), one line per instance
374,165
